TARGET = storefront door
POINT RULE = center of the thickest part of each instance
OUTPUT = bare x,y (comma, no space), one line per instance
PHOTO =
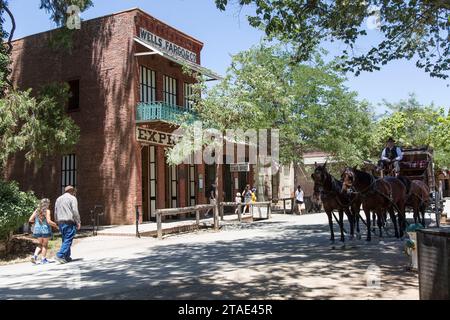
148,183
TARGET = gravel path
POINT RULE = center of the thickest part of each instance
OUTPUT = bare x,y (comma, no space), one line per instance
287,257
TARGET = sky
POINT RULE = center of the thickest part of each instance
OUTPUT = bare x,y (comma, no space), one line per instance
227,33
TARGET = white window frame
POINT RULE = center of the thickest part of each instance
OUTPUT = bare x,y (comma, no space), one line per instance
170,92
68,171
147,85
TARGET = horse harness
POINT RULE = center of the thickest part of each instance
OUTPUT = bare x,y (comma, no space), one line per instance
324,194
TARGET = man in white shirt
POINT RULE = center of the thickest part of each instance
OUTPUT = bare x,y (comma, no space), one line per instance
392,154
299,199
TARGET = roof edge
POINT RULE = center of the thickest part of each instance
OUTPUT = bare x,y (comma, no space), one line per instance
113,14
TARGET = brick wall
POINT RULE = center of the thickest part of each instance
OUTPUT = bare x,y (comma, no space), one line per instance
108,156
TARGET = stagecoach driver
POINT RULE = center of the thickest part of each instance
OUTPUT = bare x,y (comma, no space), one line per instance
391,154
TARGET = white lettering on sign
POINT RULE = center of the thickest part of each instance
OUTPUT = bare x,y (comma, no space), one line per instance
167,46
240,167
149,136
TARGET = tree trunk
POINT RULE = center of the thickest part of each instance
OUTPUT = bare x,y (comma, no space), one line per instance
219,195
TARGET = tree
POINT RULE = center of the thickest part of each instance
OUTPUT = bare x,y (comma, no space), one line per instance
416,29
15,208
37,125
441,138
415,125
307,103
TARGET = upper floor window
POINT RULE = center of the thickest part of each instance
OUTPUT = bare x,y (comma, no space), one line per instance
68,171
147,85
170,90
74,91
188,100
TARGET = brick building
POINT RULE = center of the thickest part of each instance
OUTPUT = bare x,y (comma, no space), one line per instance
126,78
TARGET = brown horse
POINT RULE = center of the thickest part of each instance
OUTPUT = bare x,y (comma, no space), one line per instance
418,198
377,195
332,197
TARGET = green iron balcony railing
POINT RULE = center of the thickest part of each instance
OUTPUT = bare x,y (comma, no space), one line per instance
160,111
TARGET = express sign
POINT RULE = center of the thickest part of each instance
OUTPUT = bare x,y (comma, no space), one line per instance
167,46
148,136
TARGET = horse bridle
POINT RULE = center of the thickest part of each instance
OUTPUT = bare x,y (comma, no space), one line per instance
367,190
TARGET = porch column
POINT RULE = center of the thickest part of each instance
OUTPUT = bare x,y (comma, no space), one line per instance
220,182
182,189
201,199
161,178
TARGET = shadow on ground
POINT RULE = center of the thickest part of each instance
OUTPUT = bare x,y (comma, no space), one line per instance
292,262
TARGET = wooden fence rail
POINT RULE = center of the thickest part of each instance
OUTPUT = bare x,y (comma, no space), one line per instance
177,211
217,209
237,205
292,200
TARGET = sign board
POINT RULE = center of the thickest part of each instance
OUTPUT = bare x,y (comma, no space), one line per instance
149,136
167,46
240,167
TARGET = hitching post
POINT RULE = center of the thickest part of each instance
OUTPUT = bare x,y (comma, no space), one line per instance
197,218
137,222
216,216
159,224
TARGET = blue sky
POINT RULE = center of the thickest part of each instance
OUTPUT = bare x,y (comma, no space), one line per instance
226,33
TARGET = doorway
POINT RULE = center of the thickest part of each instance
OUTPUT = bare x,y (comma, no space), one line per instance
191,185
171,186
148,183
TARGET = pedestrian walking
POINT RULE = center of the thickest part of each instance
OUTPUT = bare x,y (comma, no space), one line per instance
247,194
238,200
212,198
42,230
299,200
68,220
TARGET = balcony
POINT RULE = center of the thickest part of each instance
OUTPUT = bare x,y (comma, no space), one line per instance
160,112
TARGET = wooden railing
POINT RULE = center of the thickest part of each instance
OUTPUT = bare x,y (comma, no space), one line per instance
177,211
292,200
239,206
217,209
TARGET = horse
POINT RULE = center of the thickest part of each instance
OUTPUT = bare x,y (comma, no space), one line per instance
332,197
377,195
418,197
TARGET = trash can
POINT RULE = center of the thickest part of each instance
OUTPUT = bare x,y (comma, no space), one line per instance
434,269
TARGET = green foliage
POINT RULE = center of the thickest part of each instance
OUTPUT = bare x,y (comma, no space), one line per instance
4,54
58,8
15,207
309,104
62,39
414,125
441,138
37,125
416,29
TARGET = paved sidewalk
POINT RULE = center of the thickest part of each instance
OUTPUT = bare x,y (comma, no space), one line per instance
287,257
170,226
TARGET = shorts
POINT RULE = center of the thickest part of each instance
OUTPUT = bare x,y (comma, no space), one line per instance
42,235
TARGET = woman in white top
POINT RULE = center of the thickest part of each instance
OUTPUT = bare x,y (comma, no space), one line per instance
299,200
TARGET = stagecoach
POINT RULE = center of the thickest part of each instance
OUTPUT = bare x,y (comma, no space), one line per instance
417,164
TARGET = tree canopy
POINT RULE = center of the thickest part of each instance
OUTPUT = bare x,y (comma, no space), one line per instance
38,125
415,125
34,123
414,29
308,103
